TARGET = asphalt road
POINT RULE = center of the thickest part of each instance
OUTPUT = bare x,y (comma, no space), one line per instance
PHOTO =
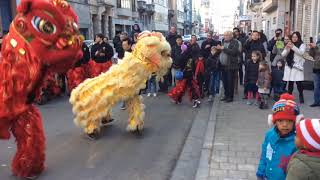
117,155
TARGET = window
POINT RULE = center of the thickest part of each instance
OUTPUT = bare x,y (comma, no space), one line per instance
124,4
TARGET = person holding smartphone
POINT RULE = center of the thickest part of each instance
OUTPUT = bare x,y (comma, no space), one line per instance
277,40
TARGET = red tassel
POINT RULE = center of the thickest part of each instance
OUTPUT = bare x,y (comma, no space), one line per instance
177,92
75,77
30,156
95,69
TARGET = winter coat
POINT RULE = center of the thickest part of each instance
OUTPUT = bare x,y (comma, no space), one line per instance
275,155
271,45
195,50
295,74
102,48
315,53
252,72
232,52
304,167
178,58
171,38
264,79
86,56
277,52
250,46
277,76
213,63
206,51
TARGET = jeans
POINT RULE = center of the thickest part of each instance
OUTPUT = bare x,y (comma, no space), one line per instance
214,83
152,85
173,74
316,78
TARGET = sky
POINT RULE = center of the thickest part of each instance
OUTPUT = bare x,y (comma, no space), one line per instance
222,8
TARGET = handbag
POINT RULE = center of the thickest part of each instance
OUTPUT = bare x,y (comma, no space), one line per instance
179,75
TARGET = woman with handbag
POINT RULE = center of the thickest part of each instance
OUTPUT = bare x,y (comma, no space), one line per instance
294,68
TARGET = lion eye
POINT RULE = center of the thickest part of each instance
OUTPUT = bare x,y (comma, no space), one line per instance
43,26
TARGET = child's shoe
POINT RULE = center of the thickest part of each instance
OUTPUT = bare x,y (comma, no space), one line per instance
149,94
154,94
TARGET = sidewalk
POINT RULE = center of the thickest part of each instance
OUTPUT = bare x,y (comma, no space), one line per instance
233,149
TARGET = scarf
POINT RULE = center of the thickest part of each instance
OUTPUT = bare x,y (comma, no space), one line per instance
290,56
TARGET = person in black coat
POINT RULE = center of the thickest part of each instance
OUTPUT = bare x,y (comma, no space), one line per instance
278,85
208,44
254,44
101,52
172,36
251,76
213,69
273,41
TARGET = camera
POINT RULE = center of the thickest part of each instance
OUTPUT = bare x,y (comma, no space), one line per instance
311,39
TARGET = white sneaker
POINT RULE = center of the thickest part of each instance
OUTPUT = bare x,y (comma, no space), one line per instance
210,99
149,94
154,94
195,104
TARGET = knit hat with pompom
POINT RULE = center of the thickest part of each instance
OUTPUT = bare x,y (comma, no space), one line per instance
285,109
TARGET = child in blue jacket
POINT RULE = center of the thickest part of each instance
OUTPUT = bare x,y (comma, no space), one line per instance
278,145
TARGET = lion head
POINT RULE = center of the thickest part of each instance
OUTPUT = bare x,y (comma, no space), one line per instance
153,49
50,28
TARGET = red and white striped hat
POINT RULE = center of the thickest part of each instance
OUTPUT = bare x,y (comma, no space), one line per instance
308,131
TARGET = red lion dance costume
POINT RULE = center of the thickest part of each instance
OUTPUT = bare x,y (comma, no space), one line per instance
43,37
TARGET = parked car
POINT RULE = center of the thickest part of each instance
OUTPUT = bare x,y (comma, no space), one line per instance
203,36
89,43
186,38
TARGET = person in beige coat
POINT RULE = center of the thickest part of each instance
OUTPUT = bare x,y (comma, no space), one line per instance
294,68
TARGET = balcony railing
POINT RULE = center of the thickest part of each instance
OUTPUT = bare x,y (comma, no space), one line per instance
141,6
270,5
171,13
150,9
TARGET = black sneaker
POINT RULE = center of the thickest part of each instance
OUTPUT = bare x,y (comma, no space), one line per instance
106,122
314,105
261,105
94,135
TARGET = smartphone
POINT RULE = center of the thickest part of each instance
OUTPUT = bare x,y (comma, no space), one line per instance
311,39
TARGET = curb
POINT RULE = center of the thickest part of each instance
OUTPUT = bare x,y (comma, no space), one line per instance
188,161
206,150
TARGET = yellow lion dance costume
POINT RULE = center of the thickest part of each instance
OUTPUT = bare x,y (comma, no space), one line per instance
93,99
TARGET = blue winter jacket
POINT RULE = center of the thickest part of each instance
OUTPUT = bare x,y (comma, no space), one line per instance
275,155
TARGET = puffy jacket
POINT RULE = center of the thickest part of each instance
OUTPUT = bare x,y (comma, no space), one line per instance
252,72
304,167
275,155
264,79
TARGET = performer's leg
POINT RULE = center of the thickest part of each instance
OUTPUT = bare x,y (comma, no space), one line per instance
30,156
136,114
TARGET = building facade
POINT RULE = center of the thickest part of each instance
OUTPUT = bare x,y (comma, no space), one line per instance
7,13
